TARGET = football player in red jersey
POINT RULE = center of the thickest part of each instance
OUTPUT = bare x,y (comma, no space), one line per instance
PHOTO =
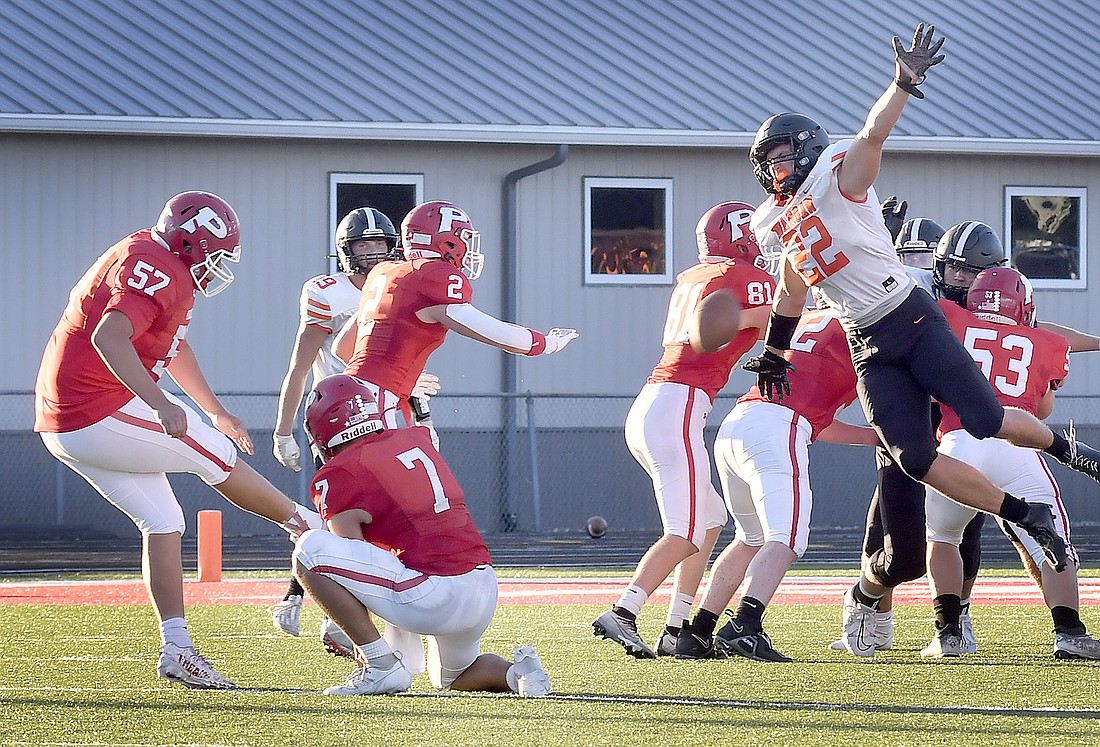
763,461
402,546
664,429
407,308
100,411
1025,366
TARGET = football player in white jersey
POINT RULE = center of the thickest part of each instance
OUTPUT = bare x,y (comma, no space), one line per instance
823,219
364,238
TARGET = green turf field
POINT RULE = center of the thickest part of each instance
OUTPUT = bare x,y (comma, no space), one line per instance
85,676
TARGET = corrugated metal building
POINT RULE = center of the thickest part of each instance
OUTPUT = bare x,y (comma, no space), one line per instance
107,108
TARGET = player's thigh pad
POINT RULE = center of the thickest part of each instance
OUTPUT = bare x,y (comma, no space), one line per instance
664,431
765,446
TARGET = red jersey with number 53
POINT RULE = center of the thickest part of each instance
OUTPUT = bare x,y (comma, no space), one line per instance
417,508
1022,363
709,371
393,344
823,381
152,287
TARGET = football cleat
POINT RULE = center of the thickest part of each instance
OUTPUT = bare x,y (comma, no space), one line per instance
370,681
1082,457
692,645
287,615
666,643
1039,523
188,667
335,640
532,681
1069,646
946,643
622,631
884,633
858,627
756,646
966,625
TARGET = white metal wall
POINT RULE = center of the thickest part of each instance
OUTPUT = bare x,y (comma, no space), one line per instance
64,199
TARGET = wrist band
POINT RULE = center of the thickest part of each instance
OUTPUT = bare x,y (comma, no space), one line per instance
909,87
538,343
780,331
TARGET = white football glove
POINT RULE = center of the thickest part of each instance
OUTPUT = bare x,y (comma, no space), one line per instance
558,338
426,385
287,452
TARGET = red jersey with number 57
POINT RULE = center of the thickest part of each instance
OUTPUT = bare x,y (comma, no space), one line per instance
417,509
823,381
393,344
152,287
1022,363
709,371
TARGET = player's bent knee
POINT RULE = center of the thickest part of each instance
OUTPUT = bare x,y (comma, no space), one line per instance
166,523
917,460
307,546
983,423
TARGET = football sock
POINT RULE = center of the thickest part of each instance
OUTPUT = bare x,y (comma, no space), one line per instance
294,590
679,609
1012,509
865,597
1060,449
947,608
174,630
750,614
631,601
705,622
377,654
1067,620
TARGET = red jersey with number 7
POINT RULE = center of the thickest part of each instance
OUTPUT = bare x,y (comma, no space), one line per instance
709,371
417,509
392,344
152,287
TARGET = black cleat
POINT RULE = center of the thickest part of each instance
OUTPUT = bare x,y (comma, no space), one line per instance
1082,457
755,646
1039,523
692,645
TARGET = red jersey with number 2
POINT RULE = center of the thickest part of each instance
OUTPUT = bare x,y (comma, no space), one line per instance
823,381
1021,363
417,509
393,344
153,288
709,371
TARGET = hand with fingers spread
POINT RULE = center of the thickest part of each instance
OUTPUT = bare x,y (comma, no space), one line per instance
427,385
558,338
913,63
771,375
893,215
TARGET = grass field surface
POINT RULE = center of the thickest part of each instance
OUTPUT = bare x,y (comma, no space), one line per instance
84,675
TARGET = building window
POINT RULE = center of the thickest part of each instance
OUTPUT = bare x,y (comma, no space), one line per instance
393,194
1045,234
627,231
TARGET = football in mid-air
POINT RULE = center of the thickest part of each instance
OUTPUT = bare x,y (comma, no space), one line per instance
596,527
715,322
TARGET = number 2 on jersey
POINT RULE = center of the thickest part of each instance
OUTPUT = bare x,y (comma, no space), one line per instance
416,456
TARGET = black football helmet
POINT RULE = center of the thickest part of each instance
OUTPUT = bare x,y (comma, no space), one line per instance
363,223
808,140
916,242
972,245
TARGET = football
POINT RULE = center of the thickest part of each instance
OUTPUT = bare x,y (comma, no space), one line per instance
716,321
596,527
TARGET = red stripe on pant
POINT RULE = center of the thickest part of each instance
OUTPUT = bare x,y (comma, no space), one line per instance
151,426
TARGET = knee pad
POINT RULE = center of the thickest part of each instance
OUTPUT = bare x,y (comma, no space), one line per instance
984,422
892,569
971,546
915,459
307,546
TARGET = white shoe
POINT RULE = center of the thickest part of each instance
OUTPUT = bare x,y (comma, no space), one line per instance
884,633
370,681
944,644
1067,646
287,615
187,666
858,627
666,644
335,640
970,643
531,679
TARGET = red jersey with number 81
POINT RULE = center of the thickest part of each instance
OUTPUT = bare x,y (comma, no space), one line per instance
417,509
393,344
152,287
709,371
1021,363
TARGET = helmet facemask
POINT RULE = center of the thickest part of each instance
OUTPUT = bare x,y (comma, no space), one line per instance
212,275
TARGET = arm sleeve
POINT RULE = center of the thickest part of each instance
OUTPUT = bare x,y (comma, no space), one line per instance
502,334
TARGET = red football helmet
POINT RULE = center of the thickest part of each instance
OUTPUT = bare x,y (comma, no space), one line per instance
1002,295
202,229
442,229
340,409
723,231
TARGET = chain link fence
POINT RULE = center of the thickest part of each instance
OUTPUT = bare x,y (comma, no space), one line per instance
528,463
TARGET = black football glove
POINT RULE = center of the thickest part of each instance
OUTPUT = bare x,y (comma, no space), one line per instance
893,215
771,374
913,63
